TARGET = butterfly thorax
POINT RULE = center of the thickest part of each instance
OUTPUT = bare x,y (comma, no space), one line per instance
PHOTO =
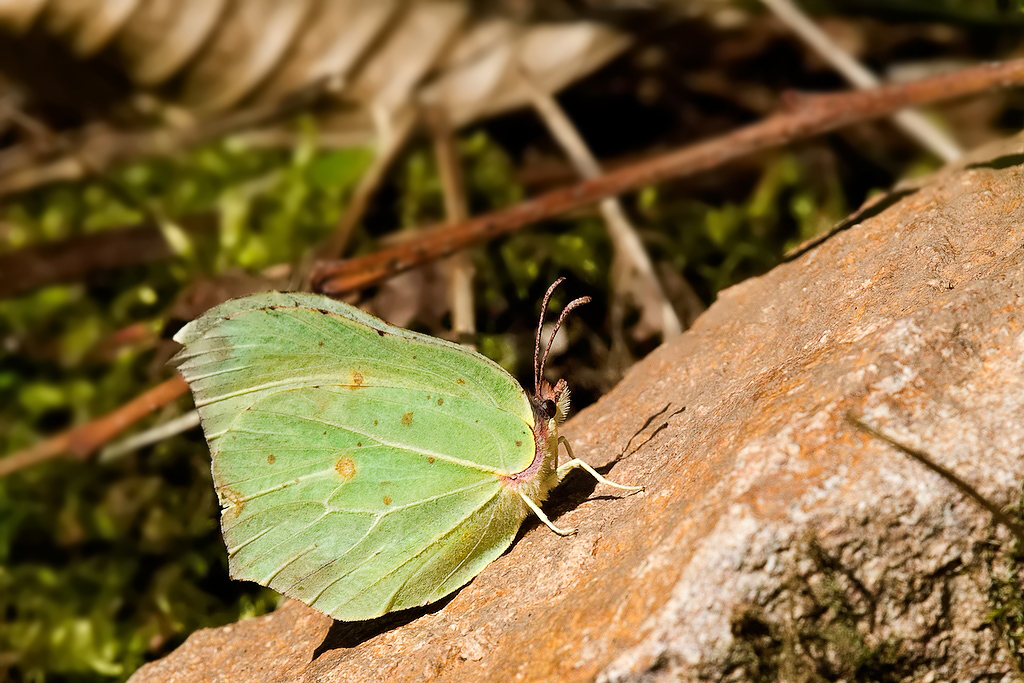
550,406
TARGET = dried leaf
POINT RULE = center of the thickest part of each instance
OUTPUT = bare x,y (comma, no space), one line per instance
211,57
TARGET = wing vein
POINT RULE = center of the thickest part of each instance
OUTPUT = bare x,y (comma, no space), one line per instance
370,530
400,447
415,555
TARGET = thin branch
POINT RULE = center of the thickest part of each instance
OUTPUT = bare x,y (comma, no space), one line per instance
947,474
391,142
80,442
156,434
75,258
99,148
39,133
812,116
633,270
912,122
458,267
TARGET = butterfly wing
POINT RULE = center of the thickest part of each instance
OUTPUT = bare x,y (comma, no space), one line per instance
358,465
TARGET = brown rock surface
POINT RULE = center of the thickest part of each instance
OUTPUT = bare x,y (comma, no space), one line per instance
773,541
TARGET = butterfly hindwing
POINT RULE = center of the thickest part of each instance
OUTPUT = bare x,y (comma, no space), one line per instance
358,465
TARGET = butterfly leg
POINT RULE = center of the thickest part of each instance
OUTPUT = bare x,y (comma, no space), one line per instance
544,518
576,462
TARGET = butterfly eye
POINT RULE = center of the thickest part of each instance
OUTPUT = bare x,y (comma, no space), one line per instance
548,409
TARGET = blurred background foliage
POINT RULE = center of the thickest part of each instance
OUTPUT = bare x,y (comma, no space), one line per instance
109,562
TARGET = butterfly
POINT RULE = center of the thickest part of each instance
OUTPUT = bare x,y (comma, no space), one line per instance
362,468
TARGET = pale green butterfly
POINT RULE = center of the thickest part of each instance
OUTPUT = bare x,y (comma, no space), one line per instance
362,468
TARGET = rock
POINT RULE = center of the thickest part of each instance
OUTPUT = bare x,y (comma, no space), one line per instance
773,541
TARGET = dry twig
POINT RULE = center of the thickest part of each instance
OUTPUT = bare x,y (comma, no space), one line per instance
390,143
632,270
82,441
912,122
75,258
813,115
100,147
459,266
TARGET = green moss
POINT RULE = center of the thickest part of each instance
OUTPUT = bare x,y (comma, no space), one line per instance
818,629
1005,564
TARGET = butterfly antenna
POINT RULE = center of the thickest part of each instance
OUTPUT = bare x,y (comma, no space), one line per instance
538,366
575,303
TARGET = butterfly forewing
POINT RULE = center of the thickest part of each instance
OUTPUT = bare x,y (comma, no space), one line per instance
358,464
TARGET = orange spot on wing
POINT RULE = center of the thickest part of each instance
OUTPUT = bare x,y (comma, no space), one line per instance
387,500
271,459
460,381
357,381
407,420
440,401
233,503
345,468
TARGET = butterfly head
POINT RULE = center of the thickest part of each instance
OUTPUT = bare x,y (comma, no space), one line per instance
551,402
